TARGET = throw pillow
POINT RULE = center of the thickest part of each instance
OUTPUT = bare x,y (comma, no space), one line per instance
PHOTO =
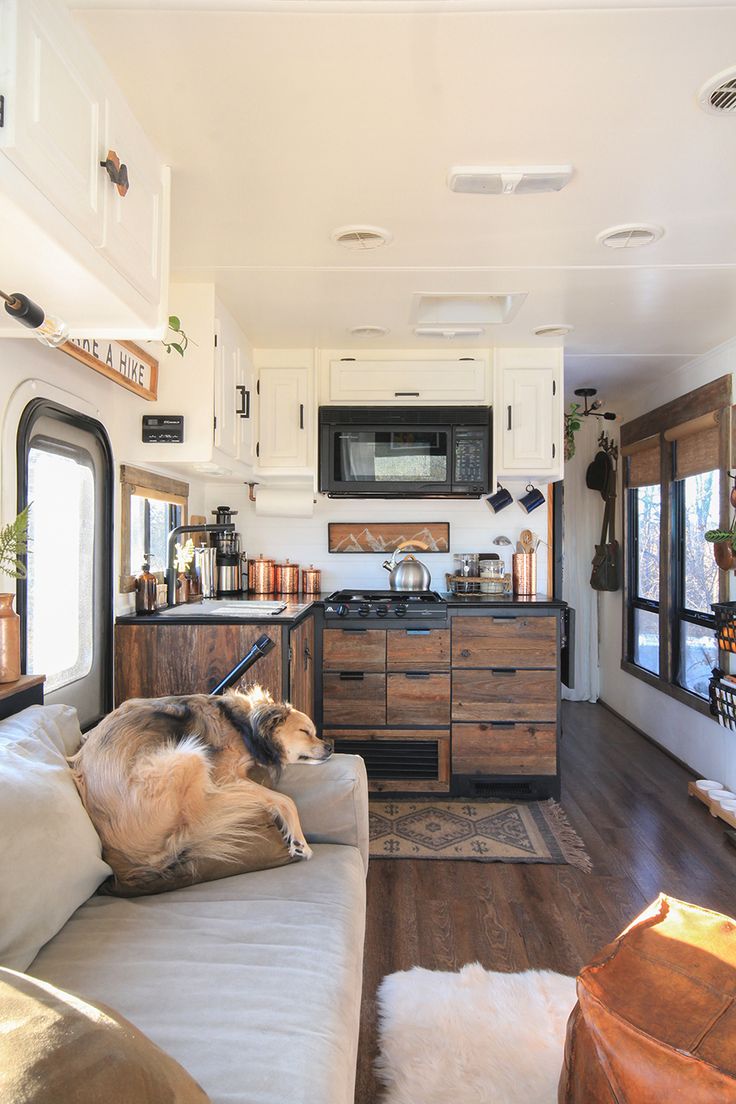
51,857
57,1047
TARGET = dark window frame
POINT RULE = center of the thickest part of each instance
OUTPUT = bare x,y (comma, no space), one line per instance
40,408
632,551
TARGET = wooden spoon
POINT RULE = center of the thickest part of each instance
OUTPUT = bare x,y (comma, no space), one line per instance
526,540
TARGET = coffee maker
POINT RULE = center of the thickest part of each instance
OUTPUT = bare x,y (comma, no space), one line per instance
228,555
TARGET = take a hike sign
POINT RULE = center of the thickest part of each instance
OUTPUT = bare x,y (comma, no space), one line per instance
120,361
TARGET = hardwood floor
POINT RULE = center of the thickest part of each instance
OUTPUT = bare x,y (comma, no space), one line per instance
629,803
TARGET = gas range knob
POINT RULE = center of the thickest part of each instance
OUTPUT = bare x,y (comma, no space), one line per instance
364,609
400,609
342,610
381,611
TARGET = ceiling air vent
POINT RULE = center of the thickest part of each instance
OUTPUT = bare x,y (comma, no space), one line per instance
718,95
554,329
368,331
359,238
509,179
630,236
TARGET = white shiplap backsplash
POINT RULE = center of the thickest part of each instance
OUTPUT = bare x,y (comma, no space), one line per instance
473,526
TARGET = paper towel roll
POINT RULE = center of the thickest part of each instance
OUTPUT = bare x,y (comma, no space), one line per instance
296,502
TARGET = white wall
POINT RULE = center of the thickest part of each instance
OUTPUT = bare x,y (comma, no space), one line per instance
28,370
473,525
698,740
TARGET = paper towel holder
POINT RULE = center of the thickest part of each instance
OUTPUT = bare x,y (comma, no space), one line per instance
251,493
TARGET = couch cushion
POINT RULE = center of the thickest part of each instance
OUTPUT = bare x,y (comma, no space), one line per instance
55,1047
251,982
50,859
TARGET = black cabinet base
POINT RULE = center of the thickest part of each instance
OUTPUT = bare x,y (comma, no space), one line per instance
506,788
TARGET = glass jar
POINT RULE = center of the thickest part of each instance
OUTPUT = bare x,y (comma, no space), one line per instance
466,567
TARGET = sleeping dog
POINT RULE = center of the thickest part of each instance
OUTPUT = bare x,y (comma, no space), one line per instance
166,781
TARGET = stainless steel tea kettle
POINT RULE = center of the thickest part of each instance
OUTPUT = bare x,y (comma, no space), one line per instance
409,573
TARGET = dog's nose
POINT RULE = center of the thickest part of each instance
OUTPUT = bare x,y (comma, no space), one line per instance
329,747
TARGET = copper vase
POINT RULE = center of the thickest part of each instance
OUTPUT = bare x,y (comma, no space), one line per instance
9,640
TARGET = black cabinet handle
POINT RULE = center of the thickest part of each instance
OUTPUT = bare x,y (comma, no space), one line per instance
301,415
406,394
416,674
503,724
502,671
508,416
351,676
354,630
244,409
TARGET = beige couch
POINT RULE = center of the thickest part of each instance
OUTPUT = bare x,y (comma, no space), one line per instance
252,982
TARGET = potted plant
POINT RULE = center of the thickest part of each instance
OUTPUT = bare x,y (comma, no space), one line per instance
724,547
572,425
13,547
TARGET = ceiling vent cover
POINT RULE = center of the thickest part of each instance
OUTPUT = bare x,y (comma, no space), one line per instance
554,329
360,238
368,331
718,95
509,179
629,236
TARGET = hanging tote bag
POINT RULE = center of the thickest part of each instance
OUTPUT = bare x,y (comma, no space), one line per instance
606,573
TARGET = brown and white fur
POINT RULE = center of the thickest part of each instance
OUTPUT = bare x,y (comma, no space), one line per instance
166,780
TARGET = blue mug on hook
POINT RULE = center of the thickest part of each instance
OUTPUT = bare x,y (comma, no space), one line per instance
500,499
532,498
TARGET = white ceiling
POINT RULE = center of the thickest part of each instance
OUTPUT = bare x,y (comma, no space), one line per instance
281,125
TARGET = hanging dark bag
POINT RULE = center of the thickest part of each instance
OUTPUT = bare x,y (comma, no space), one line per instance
606,573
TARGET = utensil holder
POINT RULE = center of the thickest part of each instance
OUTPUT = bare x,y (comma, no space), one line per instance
524,573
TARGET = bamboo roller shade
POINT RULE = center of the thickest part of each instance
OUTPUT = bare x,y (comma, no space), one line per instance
642,462
697,445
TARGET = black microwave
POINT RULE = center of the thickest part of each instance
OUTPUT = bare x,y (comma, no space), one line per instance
405,452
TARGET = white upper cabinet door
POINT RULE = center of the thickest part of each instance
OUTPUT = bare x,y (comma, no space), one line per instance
450,382
134,223
284,420
528,415
227,428
54,115
246,406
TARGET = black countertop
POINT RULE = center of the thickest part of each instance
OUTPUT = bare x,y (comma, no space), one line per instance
226,611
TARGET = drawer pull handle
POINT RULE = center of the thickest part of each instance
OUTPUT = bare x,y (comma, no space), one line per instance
416,674
351,676
503,724
503,671
504,618
465,653
354,630
418,632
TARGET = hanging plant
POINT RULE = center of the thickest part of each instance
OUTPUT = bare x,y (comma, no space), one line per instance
180,345
572,425
14,545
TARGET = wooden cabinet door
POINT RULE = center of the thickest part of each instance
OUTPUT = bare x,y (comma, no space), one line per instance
505,747
418,698
354,649
353,698
152,661
284,419
134,230
56,115
418,649
505,641
504,695
301,667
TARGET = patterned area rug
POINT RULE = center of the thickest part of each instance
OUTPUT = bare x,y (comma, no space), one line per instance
485,831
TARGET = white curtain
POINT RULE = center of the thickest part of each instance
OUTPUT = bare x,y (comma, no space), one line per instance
582,520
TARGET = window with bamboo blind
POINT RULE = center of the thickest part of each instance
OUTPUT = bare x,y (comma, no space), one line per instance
675,460
151,505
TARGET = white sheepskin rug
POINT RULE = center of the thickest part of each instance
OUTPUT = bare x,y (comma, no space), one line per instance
472,1037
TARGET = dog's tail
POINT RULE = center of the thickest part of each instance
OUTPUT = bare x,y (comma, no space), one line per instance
174,812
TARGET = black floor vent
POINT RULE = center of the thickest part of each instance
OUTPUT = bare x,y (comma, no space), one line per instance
409,759
502,789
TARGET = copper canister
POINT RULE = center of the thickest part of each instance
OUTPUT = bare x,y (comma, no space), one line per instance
311,580
286,578
260,576
524,573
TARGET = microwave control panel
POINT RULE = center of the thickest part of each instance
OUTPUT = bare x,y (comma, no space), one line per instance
471,456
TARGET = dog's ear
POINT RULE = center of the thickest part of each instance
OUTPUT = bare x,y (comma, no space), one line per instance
257,696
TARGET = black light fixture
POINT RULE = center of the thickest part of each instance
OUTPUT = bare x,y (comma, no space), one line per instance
46,327
586,393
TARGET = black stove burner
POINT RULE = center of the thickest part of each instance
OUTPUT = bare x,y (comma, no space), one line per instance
385,603
385,596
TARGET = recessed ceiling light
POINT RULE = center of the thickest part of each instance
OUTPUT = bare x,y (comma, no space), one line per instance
359,238
452,310
630,235
718,95
554,329
447,331
368,331
509,179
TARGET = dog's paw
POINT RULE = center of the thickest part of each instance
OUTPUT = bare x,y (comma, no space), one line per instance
300,849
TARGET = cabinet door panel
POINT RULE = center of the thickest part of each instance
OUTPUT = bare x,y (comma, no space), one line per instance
354,649
448,381
301,667
498,695
504,749
283,414
227,428
418,649
353,698
527,419
418,698
57,116
504,641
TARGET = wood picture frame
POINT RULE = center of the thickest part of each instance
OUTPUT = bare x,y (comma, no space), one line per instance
383,537
124,363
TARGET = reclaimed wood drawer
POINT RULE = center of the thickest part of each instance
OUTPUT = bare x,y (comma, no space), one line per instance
504,695
354,649
418,649
418,698
506,747
504,641
353,697
399,759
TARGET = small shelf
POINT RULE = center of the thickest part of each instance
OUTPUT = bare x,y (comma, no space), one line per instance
728,818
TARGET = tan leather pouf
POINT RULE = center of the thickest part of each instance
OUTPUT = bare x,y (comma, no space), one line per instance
655,1021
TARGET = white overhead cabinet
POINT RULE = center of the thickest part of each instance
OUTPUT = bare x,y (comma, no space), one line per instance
233,390
528,414
457,382
71,239
285,421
